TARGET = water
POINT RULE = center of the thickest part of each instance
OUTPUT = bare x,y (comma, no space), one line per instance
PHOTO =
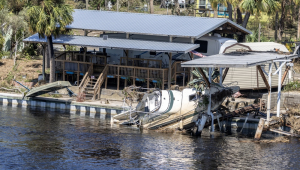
44,139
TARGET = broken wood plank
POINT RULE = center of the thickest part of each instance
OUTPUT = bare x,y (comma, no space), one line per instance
283,132
259,129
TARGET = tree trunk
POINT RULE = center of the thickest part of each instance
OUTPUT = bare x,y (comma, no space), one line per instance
176,9
235,9
163,4
105,4
239,16
16,49
52,59
151,7
246,18
298,31
215,13
86,4
47,58
229,9
276,26
282,20
258,39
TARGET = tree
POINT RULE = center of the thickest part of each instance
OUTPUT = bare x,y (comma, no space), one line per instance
96,4
152,7
297,2
50,19
214,5
19,26
255,7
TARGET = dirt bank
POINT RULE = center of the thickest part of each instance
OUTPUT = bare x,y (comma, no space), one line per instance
25,70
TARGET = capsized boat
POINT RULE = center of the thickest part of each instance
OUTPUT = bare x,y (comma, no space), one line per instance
174,109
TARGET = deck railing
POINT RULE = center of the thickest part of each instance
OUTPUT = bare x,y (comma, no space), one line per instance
141,62
101,79
156,75
177,70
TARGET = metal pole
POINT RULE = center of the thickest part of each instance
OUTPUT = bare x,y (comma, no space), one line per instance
209,102
279,90
221,76
269,94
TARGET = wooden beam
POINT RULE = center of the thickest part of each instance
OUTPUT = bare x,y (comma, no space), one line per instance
259,129
224,74
191,69
284,75
204,77
263,77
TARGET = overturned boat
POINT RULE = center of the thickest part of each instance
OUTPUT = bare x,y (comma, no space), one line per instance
174,109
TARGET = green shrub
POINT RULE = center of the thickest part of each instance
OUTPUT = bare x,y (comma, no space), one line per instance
292,86
1,46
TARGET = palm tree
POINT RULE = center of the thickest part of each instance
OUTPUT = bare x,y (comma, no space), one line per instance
50,19
255,7
297,2
214,6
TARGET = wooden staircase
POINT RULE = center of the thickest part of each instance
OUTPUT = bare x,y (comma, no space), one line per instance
89,88
92,87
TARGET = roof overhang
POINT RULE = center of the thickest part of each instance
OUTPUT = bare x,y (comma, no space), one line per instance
148,24
112,43
238,59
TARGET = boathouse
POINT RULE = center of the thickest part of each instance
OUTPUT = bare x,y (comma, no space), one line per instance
135,49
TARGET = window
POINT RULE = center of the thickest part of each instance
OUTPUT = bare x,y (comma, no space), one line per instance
203,46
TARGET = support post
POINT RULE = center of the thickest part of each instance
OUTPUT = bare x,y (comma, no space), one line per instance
269,92
209,102
64,73
78,73
118,77
221,76
285,74
170,71
279,90
224,74
204,77
263,76
192,68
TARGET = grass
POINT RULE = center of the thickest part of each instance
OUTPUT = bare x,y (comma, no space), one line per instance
292,86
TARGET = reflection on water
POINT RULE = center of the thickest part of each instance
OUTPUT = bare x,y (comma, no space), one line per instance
45,139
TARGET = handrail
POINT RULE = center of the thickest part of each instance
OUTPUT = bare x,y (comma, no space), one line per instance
85,79
99,82
141,59
146,68
60,54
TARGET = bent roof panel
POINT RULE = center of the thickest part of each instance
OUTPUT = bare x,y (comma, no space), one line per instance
128,44
149,24
237,60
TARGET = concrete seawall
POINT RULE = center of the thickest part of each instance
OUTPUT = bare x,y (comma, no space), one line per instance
82,108
288,99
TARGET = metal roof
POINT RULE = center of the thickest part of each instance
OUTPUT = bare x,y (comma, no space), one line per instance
149,24
113,43
237,59
266,46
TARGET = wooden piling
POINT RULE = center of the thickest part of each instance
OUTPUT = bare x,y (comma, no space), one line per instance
259,129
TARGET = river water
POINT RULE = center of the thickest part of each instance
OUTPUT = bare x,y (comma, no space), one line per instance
44,139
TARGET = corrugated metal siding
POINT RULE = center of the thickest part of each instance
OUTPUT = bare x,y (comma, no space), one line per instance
149,24
247,77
